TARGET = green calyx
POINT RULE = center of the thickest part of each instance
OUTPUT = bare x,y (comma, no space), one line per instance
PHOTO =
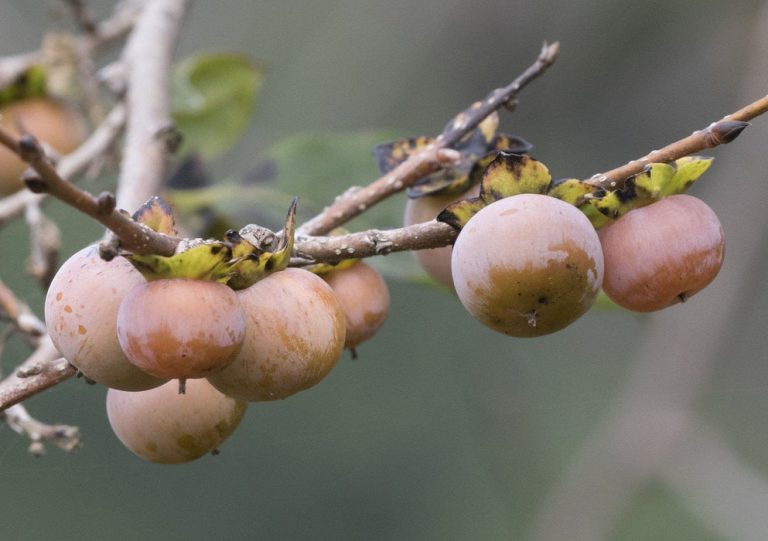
239,261
512,174
506,175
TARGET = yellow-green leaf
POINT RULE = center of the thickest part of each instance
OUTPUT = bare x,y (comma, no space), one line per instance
207,260
252,261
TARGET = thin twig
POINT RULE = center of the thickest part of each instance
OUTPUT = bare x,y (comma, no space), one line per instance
373,242
43,369
65,437
70,165
45,240
134,236
153,39
718,133
111,29
82,16
433,157
633,445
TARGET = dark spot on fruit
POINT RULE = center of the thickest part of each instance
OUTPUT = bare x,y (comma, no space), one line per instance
269,265
542,300
215,249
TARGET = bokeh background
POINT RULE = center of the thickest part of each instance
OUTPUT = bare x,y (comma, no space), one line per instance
620,427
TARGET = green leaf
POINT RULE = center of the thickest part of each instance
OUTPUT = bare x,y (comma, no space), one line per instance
213,97
208,260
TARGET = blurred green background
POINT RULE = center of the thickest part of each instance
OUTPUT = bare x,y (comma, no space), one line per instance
621,427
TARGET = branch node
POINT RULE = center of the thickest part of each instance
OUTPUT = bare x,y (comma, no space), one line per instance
30,371
33,182
29,148
109,248
170,136
106,203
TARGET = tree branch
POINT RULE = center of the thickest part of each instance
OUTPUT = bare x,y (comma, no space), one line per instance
43,369
148,56
72,164
63,436
133,235
429,160
373,242
718,133
150,132
434,234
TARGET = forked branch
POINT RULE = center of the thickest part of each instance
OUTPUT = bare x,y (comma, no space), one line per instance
432,158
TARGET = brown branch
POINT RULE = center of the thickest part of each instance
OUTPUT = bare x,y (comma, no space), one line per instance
43,369
373,242
148,58
432,158
97,144
134,236
718,133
